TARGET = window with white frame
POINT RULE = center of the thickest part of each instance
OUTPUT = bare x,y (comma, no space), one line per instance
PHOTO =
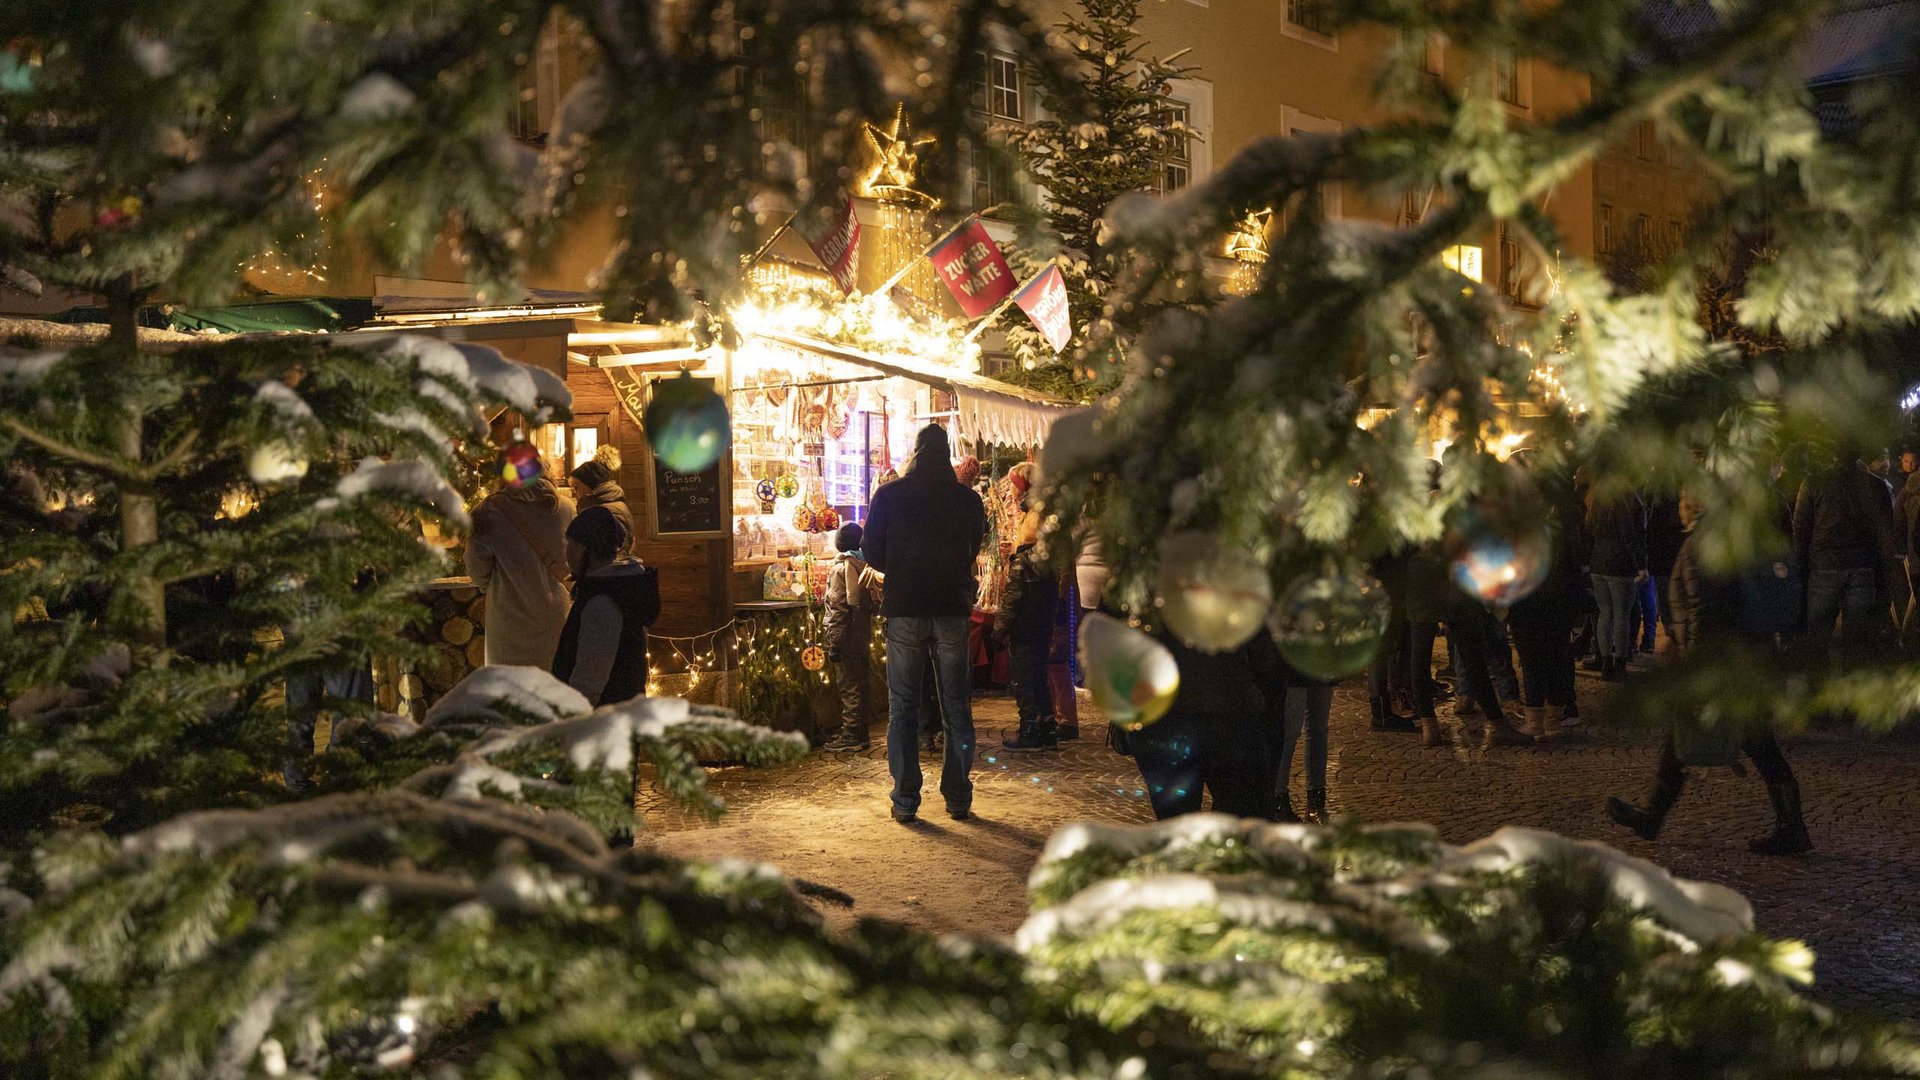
1643,141
1309,18
1642,231
1511,278
1411,207
999,97
1300,123
1512,79
1428,49
1177,172
1606,228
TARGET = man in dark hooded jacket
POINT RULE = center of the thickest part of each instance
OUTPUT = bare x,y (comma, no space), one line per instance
923,532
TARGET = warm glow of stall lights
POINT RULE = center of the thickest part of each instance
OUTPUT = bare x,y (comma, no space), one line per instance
1509,444
1910,400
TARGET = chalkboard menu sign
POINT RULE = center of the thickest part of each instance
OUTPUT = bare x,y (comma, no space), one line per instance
690,505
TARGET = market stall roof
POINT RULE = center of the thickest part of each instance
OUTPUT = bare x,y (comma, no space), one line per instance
989,410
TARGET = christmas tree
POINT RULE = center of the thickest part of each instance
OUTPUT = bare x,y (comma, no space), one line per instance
1108,129
1295,424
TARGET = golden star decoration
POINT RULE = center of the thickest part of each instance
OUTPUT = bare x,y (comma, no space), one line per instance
896,161
1248,241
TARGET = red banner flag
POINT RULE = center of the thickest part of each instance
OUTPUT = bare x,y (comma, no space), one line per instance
1044,299
838,249
973,268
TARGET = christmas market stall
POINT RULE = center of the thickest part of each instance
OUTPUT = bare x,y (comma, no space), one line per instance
823,398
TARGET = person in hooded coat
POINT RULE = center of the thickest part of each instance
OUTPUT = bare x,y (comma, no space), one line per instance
594,485
517,557
603,646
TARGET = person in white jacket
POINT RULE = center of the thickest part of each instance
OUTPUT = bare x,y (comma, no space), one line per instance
517,557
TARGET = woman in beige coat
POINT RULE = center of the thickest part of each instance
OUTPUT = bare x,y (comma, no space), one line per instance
517,556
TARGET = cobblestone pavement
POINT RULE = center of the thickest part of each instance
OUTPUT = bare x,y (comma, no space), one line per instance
1855,898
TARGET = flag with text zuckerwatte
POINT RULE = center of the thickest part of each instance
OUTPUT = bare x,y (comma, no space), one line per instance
838,247
973,268
1044,299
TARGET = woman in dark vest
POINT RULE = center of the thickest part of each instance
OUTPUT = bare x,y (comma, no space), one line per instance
603,647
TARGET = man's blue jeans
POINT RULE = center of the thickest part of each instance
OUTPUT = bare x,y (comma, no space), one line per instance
910,640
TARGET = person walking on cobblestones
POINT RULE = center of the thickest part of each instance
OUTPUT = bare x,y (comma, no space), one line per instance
1306,706
923,533
1218,735
1025,624
1706,608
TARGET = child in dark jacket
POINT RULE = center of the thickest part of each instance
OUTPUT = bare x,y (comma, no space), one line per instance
1025,624
848,629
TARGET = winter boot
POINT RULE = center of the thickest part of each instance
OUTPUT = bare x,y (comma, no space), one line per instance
1316,806
848,740
1534,722
1034,735
1789,833
1616,670
1385,719
1283,810
1431,733
1067,732
1501,732
1646,821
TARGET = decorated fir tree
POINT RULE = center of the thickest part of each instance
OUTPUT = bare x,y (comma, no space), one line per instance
1108,129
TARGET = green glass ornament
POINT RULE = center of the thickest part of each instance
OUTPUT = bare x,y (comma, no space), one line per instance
687,424
1329,626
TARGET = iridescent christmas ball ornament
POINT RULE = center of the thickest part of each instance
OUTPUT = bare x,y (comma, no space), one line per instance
1330,626
519,464
687,424
1132,677
1499,553
1212,596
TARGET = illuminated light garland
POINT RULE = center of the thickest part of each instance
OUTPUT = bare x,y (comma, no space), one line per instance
786,302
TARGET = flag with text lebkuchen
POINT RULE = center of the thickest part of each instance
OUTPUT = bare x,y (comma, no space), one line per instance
973,268
1044,299
838,247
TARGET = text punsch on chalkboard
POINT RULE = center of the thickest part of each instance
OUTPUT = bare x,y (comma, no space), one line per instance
687,502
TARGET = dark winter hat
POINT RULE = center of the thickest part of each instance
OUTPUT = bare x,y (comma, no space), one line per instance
597,530
593,473
849,537
933,439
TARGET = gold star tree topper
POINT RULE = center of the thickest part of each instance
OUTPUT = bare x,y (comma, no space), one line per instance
896,162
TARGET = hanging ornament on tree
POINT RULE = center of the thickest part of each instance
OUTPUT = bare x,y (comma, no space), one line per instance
1213,598
122,211
687,423
1329,626
1497,552
787,486
813,658
1132,677
519,464
276,461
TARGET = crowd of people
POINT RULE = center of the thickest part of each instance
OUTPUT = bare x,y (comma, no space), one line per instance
564,591
1624,581
1624,585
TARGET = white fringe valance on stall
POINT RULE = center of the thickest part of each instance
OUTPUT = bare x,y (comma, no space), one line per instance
1002,419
